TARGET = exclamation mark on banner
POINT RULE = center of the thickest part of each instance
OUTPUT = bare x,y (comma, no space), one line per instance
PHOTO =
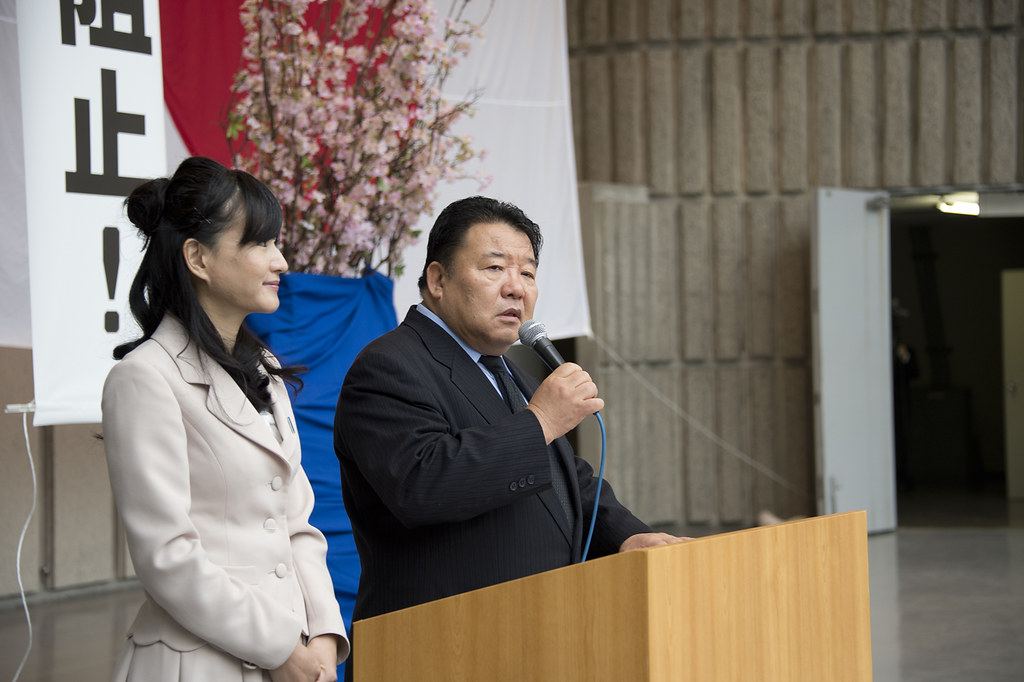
111,261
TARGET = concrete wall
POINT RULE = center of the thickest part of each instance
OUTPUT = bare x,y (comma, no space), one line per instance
702,129
72,540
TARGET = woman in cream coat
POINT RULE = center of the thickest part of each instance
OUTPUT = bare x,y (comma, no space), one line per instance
203,455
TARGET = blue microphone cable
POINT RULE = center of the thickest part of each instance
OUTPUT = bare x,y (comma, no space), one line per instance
597,495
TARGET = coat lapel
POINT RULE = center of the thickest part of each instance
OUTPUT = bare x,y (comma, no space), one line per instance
225,399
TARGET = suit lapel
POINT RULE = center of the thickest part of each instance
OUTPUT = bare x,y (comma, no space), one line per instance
465,375
224,398
469,379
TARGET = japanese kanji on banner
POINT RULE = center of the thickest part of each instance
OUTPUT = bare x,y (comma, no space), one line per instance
93,120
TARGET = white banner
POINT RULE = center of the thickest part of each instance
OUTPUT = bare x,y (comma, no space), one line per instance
524,121
93,126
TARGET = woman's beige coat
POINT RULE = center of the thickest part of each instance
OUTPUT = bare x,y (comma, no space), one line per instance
216,511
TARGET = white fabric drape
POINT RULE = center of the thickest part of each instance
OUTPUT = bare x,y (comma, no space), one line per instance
524,121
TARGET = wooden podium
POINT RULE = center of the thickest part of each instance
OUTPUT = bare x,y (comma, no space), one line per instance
780,603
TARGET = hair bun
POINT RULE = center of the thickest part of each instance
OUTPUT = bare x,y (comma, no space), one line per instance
145,205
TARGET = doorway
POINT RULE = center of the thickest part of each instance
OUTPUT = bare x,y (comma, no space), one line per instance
948,385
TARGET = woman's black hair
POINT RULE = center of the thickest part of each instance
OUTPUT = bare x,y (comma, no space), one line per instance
200,201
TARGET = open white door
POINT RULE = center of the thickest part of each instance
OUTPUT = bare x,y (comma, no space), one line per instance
851,318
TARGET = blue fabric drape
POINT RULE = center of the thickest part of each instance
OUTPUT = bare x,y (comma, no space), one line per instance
323,322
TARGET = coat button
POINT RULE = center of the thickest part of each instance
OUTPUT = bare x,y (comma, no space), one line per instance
276,483
270,524
281,571
530,479
512,486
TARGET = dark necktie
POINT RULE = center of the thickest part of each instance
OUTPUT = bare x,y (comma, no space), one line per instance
515,402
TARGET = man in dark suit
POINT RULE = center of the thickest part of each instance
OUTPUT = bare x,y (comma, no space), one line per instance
453,477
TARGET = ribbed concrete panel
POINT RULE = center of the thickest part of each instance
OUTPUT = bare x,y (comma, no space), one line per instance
597,118
967,108
624,222
693,19
660,480
83,508
863,17
725,19
629,165
794,277
795,17
796,441
607,214
764,430
793,118
1003,142
619,417
762,277
760,18
638,303
664,282
932,136
862,145
726,124
759,86
574,26
897,131
827,97
578,123
695,277
661,121
625,21
701,459
661,20
596,17
898,15
668,492
828,17
932,15
693,121
730,278
1005,13
734,475
969,13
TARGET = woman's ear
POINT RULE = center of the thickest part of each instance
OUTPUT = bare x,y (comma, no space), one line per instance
195,258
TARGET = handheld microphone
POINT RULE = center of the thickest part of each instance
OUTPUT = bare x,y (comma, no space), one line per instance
535,335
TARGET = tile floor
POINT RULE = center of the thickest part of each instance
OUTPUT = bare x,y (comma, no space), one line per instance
947,602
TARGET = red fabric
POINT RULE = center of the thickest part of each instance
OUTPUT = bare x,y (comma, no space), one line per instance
202,49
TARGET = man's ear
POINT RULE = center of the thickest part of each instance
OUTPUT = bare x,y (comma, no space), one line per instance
195,259
436,276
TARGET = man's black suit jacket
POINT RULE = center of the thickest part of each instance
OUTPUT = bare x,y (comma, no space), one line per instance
446,490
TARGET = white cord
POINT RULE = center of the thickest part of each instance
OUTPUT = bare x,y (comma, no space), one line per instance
25,409
708,433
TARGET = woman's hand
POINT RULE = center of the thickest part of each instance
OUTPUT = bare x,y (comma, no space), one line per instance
301,666
325,649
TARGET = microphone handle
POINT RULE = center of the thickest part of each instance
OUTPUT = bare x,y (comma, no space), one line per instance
546,350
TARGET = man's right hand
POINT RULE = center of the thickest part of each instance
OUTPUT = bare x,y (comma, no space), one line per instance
564,399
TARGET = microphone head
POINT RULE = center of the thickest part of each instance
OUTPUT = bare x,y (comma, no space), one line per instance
532,331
